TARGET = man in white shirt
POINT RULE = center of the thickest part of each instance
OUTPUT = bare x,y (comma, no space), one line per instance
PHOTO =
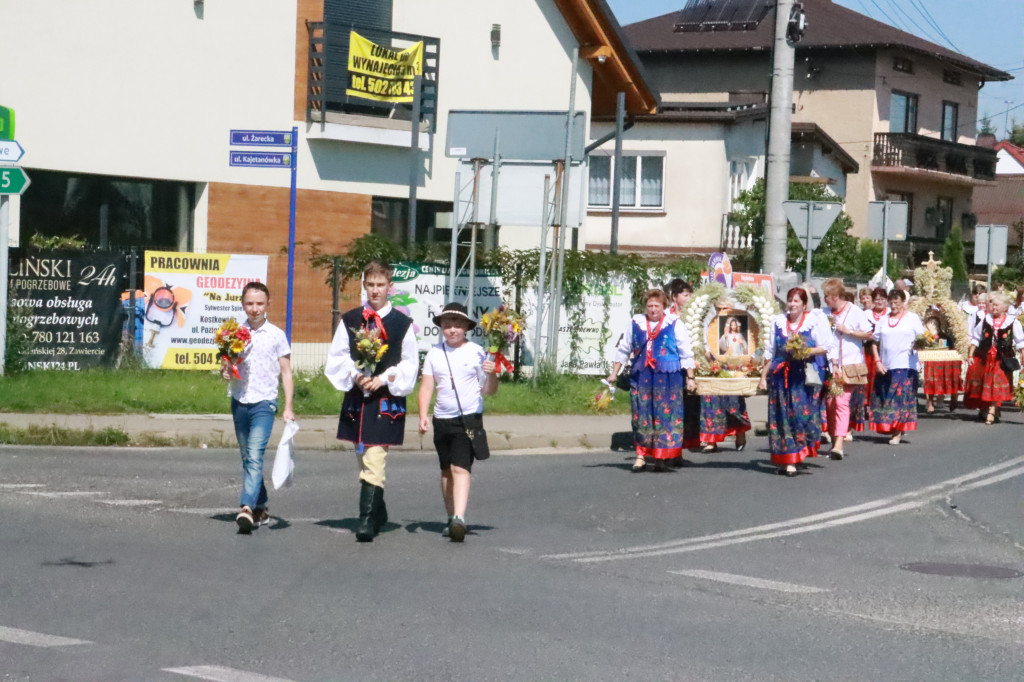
373,410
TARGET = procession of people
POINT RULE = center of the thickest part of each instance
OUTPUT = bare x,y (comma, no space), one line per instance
828,372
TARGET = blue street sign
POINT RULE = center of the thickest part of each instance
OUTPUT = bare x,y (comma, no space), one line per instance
262,138
261,159
10,151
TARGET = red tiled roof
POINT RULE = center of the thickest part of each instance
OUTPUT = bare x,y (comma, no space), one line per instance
1013,150
829,26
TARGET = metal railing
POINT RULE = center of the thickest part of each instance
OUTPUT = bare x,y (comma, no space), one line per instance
918,151
327,74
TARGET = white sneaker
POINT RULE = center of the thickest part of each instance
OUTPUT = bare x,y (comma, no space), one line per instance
244,520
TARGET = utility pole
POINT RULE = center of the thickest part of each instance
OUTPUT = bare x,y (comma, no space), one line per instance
780,129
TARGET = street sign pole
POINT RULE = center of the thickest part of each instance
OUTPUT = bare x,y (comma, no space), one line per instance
5,216
885,243
810,219
291,232
988,258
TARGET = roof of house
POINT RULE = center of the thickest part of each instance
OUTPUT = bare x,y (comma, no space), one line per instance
829,27
1013,150
617,68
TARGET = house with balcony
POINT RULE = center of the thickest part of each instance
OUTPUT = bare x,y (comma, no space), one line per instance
142,157
904,109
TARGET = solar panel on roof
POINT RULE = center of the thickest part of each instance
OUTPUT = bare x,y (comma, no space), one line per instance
722,15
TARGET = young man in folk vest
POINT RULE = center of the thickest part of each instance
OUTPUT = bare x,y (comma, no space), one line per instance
373,410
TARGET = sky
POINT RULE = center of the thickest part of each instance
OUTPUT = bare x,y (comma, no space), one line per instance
989,31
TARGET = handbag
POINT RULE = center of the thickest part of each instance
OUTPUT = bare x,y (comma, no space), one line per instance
811,375
1009,364
477,437
854,374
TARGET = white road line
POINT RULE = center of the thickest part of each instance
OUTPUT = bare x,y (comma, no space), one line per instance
20,486
205,512
750,582
838,517
131,503
60,495
29,638
217,673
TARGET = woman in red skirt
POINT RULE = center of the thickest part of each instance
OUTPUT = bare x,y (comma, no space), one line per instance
996,342
860,405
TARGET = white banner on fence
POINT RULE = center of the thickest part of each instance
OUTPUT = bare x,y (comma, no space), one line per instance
187,297
421,290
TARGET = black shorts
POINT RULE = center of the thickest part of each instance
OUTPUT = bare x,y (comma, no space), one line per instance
452,443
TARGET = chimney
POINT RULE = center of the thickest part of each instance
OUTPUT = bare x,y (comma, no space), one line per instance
987,140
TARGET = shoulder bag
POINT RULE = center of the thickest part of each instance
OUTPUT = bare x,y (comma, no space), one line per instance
477,437
856,373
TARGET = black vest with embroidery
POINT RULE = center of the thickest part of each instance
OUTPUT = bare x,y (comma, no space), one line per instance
1003,339
378,419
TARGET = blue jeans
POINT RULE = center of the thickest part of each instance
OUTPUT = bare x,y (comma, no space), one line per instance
253,424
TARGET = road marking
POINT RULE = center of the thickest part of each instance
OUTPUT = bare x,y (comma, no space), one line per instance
131,503
58,495
205,512
217,673
29,638
20,486
513,550
747,581
806,524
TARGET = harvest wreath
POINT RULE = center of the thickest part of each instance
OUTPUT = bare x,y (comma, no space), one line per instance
712,377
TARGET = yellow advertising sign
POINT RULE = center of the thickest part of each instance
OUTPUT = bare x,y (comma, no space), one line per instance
380,73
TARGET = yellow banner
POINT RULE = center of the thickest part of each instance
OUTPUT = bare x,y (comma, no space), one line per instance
192,263
380,73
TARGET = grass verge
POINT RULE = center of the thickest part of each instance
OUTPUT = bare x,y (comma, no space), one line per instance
143,391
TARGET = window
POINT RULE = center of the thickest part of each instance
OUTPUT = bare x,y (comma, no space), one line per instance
952,77
109,212
642,182
902,64
950,118
903,113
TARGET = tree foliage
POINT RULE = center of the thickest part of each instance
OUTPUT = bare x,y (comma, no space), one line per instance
953,254
839,254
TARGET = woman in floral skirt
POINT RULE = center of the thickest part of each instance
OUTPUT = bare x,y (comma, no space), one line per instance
657,346
894,395
996,341
860,403
794,406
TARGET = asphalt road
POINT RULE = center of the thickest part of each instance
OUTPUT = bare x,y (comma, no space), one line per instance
125,565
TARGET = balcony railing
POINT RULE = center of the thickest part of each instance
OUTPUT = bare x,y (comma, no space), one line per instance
917,151
327,74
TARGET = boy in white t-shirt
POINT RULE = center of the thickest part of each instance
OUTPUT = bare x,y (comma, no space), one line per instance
254,400
462,375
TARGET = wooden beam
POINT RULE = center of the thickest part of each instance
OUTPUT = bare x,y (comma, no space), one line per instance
596,51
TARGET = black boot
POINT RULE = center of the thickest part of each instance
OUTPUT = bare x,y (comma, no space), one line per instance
380,510
367,528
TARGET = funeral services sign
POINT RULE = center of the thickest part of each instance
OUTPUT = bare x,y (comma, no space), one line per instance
70,302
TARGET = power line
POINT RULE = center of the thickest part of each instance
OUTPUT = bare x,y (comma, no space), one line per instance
924,32
919,6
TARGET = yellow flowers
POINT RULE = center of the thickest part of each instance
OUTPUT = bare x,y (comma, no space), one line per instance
381,352
369,350
231,340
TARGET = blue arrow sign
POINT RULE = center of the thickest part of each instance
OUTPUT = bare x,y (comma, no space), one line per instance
261,159
262,138
10,151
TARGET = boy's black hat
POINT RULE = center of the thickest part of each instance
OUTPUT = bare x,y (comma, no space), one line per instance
455,310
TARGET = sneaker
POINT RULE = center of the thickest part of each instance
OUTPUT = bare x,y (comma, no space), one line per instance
244,520
260,517
457,529
447,528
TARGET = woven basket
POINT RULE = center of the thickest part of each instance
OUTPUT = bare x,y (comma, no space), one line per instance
938,355
727,386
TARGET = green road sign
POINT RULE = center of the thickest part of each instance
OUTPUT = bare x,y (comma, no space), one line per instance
13,180
6,123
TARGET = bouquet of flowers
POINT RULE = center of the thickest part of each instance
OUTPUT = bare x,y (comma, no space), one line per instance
369,350
834,385
501,326
797,348
1018,391
926,340
231,340
604,397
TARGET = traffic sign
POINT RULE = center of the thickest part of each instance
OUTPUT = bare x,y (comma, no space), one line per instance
10,151
990,244
261,159
891,225
13,180
820,214
262,138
